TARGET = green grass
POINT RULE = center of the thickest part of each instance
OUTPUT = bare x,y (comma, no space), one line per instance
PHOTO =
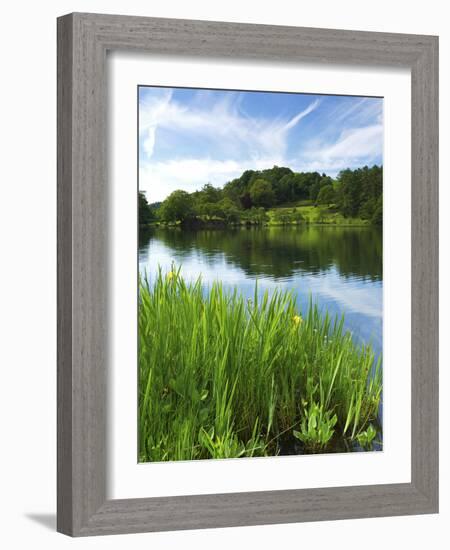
326,215
221,376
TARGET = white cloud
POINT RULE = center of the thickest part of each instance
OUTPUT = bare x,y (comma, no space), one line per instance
354,147
356,143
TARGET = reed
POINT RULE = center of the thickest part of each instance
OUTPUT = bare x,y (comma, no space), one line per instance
221,376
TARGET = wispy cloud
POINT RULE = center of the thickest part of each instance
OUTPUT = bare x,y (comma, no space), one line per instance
359,111
222,122
354,147
294,120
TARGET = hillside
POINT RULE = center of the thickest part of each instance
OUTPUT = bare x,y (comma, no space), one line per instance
276,196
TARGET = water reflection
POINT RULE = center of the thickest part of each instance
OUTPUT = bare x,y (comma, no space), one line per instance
340,266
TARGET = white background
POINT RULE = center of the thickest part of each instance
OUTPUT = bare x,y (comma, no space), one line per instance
28,275
127,479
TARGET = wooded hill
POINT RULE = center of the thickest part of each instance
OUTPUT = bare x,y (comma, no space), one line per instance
354,194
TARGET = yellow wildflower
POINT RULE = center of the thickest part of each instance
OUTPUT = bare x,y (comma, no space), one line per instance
170,275
297,320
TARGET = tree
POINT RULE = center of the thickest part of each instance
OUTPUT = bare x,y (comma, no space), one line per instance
320,218
300,190
296,216
377,217
349,192
326,195
261,193
145,212
234,189
228,211
256,216
367,209
284,189
245,200
179,206
281,216
207,209
209,193
358,191
314,190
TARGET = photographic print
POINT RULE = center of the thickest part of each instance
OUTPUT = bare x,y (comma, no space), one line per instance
260,303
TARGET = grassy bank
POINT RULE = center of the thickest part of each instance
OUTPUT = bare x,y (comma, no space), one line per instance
221,376
310,214
293,214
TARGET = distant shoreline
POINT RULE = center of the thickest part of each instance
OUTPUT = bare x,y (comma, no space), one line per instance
284,216
222,226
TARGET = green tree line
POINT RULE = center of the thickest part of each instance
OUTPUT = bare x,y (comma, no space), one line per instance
354,193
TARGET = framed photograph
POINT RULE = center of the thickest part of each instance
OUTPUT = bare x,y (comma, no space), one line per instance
247,274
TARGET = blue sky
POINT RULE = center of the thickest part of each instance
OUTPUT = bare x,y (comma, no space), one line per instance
189,137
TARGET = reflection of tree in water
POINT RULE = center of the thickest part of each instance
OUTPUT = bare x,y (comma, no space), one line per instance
281,251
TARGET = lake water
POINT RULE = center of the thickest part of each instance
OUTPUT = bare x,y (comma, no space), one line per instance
340,267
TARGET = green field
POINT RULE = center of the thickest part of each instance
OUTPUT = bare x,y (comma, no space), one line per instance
305,212
222,377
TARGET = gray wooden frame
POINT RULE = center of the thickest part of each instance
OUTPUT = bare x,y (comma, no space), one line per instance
83,40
